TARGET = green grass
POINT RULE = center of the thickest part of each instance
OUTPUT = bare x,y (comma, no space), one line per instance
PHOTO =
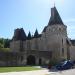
5,49
17,69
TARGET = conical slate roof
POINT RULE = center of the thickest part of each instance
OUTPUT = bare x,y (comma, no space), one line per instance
55,17
36,34
29,36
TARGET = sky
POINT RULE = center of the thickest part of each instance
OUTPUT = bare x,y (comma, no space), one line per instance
32,14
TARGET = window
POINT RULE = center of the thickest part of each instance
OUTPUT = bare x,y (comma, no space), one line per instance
60,29
21,58
62,41
62,51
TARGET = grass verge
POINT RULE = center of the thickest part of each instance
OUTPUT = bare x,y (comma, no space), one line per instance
17,69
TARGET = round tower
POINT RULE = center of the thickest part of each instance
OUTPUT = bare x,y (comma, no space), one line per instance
56,34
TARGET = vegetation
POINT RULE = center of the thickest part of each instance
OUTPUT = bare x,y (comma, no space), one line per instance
4,44
17,69
53,63
5,49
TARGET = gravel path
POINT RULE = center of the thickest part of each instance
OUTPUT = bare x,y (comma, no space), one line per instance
38,72
65,72
41,72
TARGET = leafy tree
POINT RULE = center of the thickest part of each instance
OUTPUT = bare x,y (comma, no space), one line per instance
6,43
1,40
1,45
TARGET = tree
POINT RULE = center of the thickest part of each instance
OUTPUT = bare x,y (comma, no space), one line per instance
6,43
1,40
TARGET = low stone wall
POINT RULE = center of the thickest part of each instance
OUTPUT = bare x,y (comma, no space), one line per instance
8,58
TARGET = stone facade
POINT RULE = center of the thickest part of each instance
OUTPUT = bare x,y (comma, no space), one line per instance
52,45
72,50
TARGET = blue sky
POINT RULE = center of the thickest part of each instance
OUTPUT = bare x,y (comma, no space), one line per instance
32,14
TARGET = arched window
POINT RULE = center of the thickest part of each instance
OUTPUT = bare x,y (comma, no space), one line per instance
21,58
62,51
62,41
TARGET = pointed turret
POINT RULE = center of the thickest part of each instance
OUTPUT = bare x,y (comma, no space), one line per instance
19,34
55,17
29,36
36,34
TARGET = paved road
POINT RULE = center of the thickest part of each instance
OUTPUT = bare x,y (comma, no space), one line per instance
41,72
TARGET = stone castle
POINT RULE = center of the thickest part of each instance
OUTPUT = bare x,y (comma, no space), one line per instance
52,45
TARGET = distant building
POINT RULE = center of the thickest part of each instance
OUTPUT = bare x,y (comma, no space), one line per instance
52,45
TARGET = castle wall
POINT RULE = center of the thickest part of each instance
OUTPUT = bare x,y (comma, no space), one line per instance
72,52
15,46
55,37
34,47
53,41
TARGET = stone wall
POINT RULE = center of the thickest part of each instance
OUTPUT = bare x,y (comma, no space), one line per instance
72,52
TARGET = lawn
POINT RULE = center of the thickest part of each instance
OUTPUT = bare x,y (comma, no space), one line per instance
16,69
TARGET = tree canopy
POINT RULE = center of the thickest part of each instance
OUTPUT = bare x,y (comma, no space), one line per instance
4,43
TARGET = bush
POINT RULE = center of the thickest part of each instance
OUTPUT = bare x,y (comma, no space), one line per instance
1,45
53,63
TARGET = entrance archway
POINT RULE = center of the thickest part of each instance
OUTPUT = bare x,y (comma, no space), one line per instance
31,60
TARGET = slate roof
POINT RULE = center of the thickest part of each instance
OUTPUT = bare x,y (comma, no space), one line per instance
36,34
55,17
29,37
19,34
73,42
